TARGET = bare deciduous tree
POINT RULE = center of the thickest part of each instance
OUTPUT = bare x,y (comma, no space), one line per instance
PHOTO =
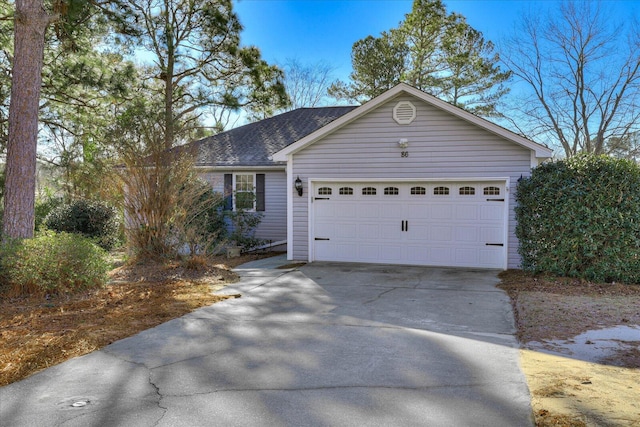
306,84
582,74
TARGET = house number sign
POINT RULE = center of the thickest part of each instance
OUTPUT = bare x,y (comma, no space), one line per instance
404,154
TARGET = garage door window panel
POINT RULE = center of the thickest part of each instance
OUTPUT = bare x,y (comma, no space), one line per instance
441,191
491,191
369,191
346,191
418,191
391,191
324,191
467,191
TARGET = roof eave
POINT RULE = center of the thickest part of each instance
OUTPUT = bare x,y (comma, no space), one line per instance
239,166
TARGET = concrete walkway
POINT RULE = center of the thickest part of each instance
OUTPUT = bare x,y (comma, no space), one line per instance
322,345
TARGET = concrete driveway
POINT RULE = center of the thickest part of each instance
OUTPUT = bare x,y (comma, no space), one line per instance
324,345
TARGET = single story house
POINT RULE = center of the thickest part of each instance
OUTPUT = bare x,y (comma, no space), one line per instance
405,178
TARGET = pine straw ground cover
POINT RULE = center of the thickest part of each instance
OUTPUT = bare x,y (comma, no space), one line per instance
38,332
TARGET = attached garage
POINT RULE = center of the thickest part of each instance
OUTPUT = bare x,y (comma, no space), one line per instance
407,178
444,223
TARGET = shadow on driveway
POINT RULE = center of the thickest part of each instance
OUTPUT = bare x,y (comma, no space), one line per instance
324,345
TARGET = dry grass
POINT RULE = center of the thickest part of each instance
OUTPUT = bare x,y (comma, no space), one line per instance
39,332
548,308
574,305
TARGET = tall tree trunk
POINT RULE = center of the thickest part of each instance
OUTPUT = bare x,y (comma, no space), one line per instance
169,131
31,21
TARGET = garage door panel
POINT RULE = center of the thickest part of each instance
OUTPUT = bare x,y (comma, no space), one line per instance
466,212
490,256
441,233
347,231
389,231
494,212
419,232
368,211
439,211
415,211
326,230
429,227
324,211
390,211
347,210
368,231
466,256
344,251
324,250
392,254
440,255
466,234
369,252
491,234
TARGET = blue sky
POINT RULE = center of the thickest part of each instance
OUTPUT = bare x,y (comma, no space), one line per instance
325,30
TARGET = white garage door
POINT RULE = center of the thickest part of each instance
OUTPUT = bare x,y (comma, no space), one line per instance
441,224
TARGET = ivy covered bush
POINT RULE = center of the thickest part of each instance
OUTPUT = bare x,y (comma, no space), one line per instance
51,263
93,219
580,217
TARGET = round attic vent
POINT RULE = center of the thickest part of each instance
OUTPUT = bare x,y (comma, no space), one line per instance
404,112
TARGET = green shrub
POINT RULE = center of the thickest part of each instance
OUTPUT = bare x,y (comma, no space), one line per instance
43,207
580,217
51,263
243,226
93,219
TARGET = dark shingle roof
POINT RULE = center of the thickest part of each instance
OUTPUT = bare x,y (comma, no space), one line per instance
253,144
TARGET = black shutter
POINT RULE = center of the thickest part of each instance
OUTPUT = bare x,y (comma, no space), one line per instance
260,203
228,191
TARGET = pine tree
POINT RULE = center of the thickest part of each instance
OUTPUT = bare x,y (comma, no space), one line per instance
200,65
30,23
431,50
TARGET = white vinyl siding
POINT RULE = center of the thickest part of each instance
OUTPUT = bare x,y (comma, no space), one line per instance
273,226
439,146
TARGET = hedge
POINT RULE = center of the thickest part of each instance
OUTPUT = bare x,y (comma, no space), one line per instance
580,217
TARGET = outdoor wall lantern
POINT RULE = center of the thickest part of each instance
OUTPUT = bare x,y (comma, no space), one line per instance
298,186
403,143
